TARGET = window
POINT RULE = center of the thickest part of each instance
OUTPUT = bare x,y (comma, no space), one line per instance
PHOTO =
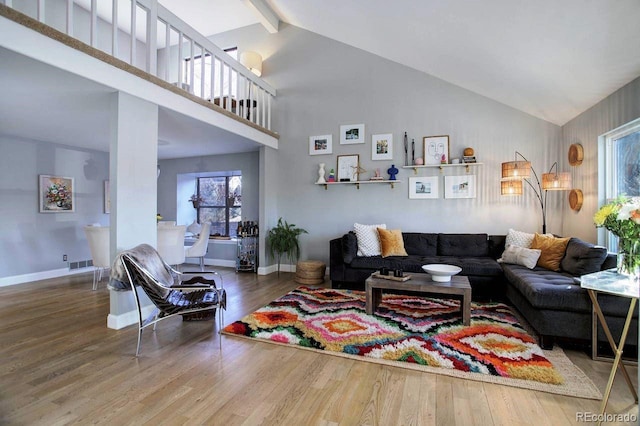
621,167
221,203
196,87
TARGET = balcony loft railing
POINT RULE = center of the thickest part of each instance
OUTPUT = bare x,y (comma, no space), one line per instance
162,45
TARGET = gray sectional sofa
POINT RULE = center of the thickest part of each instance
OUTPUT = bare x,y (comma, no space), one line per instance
551,301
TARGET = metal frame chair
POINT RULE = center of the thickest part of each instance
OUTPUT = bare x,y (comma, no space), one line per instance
172,292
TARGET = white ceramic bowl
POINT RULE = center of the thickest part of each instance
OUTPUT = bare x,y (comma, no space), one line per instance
441,273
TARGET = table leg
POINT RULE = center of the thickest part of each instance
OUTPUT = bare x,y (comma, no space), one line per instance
617,349
466,308
374,296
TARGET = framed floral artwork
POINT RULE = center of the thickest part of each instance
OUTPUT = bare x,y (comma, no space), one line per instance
424,187
382,147
436,150
57,194
319,145
351,133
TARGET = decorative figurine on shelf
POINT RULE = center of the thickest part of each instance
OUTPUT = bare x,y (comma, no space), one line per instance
443,159
406,149
392,172
332,176
321,178
376,175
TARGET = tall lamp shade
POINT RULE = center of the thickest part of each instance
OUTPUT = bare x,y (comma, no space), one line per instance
510,187
556,181
516,170
253,61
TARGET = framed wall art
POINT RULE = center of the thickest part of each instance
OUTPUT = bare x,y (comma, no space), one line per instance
436,150
351,133
319,145
348,168
382,147
424,187
57,194
460,186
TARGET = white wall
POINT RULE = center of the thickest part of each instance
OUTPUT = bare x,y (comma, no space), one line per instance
30,241
612,112
323,84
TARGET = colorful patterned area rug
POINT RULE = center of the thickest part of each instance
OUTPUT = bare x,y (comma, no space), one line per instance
420,333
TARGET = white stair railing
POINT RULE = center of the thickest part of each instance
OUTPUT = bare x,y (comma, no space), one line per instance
162,45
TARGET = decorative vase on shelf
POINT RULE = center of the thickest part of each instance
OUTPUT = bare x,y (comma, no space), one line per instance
629,258
321,178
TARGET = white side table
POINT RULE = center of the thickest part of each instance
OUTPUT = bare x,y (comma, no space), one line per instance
611,282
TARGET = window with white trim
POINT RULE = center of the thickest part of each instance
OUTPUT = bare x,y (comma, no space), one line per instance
621,167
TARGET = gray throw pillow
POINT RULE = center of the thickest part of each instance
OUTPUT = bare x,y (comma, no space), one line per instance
582,258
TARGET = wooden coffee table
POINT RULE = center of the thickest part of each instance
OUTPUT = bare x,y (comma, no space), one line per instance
421,283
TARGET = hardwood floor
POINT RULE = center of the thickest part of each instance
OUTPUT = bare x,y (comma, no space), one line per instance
62,365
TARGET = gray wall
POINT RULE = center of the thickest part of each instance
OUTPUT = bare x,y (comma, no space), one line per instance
31,241
614,111
323,84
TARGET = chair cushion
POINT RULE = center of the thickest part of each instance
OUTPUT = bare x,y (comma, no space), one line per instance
368,239
391,242
473,245
520,256
582,258
552,250
349,247
416,243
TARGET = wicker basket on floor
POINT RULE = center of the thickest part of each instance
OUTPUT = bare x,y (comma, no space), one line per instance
310,272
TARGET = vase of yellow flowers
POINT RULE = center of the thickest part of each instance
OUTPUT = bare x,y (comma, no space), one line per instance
622,217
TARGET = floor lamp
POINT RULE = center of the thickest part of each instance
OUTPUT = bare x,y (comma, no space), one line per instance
517,171
253,61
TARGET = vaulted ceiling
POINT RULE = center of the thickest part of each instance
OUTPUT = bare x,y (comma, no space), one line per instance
552,59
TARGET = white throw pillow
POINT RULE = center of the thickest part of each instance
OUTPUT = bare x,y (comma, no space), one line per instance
520,256
368,239
519,239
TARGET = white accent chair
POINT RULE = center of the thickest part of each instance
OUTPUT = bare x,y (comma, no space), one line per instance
171,244
199,248
98,238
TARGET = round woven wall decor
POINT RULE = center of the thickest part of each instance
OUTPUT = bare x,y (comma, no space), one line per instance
576,154
575,199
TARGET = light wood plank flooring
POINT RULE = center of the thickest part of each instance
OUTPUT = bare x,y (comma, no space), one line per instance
60,364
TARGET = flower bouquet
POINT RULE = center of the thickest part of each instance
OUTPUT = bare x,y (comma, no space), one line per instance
622,217
59,195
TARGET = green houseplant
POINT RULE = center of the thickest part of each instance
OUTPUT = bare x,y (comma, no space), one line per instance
283,241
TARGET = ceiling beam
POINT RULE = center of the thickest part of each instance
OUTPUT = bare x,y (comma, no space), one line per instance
268,18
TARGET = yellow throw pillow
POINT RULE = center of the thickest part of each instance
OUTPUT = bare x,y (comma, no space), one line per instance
552,250
391,242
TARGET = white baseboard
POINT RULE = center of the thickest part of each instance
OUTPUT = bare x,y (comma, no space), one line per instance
37,276
117,322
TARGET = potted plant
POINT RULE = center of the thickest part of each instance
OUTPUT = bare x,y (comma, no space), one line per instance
283,240
196,200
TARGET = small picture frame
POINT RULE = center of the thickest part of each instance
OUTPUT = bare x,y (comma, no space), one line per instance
424,187
107,198
382,146
320,145
348,168
460,186
436,150
351,133
57,194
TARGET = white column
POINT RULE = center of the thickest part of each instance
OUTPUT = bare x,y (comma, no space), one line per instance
133,177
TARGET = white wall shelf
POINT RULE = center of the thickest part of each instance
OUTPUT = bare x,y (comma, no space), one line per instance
358,182
442,166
